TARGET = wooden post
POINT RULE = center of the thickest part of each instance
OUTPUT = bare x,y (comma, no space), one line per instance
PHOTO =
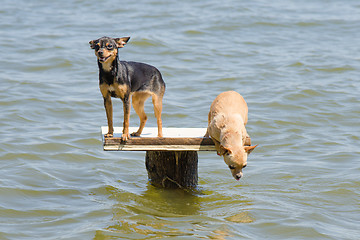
172,169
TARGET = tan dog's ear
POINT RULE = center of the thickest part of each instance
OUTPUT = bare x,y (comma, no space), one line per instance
249,149
120,42
224,150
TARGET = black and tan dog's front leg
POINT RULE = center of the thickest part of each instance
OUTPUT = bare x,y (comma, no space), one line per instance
126,105
109,115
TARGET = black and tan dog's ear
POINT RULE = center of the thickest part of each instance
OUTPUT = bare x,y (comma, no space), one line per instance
120,42
249,149
224,150
93,43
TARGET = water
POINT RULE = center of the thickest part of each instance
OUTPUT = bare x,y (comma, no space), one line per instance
295,62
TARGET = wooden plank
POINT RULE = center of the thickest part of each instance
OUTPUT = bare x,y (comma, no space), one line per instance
167,132
160,141
158,148
175,139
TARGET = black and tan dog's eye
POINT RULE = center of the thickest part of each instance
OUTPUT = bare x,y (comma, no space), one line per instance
231,167
110,46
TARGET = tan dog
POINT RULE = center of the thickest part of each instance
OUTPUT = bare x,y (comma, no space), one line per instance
227,119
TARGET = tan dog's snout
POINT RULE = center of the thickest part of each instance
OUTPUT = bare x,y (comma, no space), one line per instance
238,176
235,168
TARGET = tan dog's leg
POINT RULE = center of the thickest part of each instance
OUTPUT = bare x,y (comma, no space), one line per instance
138,101
217,146
207,134
157,101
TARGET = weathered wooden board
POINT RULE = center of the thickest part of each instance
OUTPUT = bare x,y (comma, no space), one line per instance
174,139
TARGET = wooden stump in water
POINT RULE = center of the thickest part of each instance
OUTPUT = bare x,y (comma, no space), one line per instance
172,169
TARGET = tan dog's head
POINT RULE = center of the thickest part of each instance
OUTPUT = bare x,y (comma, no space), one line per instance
236,159
106,48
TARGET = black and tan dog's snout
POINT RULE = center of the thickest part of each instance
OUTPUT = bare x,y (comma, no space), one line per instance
100,52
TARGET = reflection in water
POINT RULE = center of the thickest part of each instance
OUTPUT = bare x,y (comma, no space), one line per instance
219,234
151,213
158,213
243,217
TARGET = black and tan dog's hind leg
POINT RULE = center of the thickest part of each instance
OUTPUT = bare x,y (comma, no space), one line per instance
157,102
138,102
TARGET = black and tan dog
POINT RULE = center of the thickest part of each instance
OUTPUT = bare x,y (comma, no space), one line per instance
123,80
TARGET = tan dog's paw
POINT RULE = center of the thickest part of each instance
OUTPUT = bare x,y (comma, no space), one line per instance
207,135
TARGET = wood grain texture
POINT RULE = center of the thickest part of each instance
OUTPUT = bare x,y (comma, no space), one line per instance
170,169
175,139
